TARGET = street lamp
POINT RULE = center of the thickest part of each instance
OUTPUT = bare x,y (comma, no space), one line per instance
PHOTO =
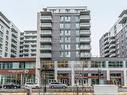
44,77
99,75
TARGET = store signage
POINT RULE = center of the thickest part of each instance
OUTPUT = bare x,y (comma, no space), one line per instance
31,71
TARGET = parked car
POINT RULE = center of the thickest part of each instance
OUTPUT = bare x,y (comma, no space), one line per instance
11,86
57,85
1,86
32,85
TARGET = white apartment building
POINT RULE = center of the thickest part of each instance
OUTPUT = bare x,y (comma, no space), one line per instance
9,38
28,42
114,42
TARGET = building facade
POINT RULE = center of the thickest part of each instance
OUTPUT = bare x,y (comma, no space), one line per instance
9,38
28,44
114,42
63,33
93,71
17,70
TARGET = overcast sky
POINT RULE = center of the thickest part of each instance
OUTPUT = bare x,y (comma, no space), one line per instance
104,13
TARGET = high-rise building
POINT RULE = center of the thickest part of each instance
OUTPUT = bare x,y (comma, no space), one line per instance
63,33
9,38
114,42
28,41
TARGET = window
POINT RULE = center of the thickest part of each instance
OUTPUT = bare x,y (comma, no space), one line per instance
67,39
61,25
77,19
67,18
67,32
1,28
67,25
67,54
61,39
61,18
77,25
77,39
117,64
61,46
67,46
77,54
77,32
61,54
1,33
61,32
77,46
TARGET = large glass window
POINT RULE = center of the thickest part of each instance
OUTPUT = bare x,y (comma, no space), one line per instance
62,64
115,64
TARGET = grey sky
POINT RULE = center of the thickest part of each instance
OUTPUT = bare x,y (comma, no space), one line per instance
104,13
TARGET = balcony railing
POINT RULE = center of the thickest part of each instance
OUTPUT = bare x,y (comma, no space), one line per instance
46,55
85,32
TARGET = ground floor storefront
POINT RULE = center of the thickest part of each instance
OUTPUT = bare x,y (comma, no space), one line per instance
17,70
17,76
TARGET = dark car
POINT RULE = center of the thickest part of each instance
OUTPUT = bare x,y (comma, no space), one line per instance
0,86
11,86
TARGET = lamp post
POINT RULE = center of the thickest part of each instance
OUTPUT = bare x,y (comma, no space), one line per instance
99,75
44,77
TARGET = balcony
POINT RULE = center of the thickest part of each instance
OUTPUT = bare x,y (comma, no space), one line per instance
84,25
85,33
112,46
113,55
85,40
87,47
46,48
46,26
46,33
85,55
46,19
30,34
112,50
46,40
123,19
46,55
84,18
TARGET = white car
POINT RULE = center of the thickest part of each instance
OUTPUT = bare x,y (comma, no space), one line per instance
57,85
32,85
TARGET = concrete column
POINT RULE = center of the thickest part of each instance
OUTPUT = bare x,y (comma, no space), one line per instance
72,73
125,73
108,75
107,72
125,77
89,79
55,69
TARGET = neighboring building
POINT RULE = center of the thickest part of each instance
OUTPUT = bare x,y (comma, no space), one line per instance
28,42
114,42
9,38
17,70
63,33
